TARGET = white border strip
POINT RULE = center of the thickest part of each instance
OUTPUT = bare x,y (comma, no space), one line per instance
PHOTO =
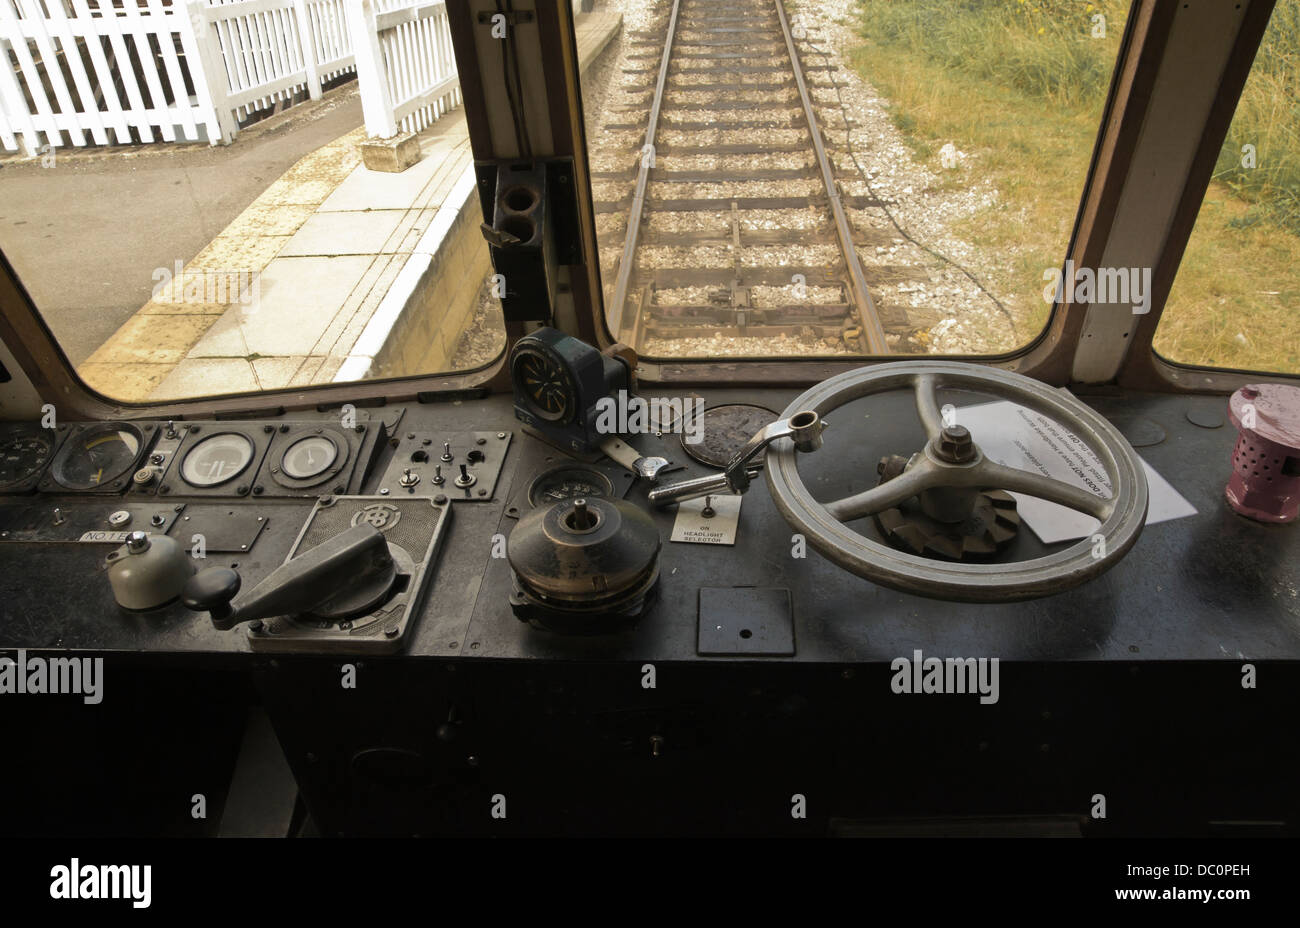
408,281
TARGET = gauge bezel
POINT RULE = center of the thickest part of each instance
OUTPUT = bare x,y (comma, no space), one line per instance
20,432
78,434
596,474
284,442
174,484
193,449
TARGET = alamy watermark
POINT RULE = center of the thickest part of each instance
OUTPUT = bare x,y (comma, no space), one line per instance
206,285
76,880
82,676
1123,285
919,674
625,414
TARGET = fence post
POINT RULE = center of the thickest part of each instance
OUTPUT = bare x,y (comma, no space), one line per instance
13,106
208,72
372,78
307,42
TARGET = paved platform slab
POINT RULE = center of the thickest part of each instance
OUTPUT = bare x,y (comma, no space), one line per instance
330,247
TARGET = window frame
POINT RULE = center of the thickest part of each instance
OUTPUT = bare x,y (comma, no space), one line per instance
556,93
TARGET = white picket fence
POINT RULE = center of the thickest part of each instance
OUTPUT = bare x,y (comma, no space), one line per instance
408,46
99,72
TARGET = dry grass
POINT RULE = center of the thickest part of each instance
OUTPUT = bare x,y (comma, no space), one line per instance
1021,86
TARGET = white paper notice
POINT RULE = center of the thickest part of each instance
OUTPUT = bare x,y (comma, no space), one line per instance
1018,437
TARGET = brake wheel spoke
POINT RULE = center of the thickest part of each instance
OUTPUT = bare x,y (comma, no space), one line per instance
926,390
884,496
995,476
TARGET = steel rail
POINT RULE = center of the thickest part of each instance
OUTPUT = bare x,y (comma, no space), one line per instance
872,332
624,279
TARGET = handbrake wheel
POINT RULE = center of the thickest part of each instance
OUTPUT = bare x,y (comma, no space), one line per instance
1121,516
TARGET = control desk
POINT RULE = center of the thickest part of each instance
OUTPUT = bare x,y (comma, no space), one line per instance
761,661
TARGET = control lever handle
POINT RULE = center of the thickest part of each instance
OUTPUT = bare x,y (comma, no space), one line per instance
803,428
353,558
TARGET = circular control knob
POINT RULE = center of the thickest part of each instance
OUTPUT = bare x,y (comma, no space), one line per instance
585,565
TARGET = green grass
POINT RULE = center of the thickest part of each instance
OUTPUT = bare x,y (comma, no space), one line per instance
1021,87
1268,118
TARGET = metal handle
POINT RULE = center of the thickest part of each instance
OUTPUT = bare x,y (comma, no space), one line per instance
803,428
696,487
350,560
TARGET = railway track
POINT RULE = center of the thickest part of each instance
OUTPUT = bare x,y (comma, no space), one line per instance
736,223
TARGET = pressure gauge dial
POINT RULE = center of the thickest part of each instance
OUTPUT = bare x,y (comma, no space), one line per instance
568,481
217,459
22,457
98,456
309,457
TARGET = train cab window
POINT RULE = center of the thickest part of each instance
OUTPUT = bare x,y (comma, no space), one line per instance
903,188
1235,301
197,207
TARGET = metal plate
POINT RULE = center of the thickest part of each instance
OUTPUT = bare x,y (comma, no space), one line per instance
158,461
1138,431
414,529
745,620
238,485
225,529
725,430
718,528
82,520
341,475
1204,417
422,453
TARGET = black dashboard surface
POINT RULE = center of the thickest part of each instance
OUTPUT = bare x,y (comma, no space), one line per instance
1214,586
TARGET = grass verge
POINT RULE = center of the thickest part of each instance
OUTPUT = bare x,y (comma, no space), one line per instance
1021,87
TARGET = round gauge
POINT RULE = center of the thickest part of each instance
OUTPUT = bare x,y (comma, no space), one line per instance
544,383
216,459
567,482
309,457
722,431
22,457
98,456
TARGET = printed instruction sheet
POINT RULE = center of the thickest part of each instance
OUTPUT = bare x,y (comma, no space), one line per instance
1018,437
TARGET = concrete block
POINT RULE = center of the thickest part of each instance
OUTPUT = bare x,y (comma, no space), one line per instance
392,156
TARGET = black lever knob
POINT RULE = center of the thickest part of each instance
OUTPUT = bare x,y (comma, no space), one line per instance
211,590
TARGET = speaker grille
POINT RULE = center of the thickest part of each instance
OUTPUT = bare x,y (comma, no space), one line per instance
407,523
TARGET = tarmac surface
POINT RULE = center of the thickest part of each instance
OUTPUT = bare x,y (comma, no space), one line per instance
87,233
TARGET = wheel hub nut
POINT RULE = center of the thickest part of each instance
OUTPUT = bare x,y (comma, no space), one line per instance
954,445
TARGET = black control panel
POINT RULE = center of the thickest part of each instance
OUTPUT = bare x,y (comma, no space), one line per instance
760,657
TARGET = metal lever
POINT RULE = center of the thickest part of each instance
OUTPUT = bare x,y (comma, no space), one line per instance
320,579
804,428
